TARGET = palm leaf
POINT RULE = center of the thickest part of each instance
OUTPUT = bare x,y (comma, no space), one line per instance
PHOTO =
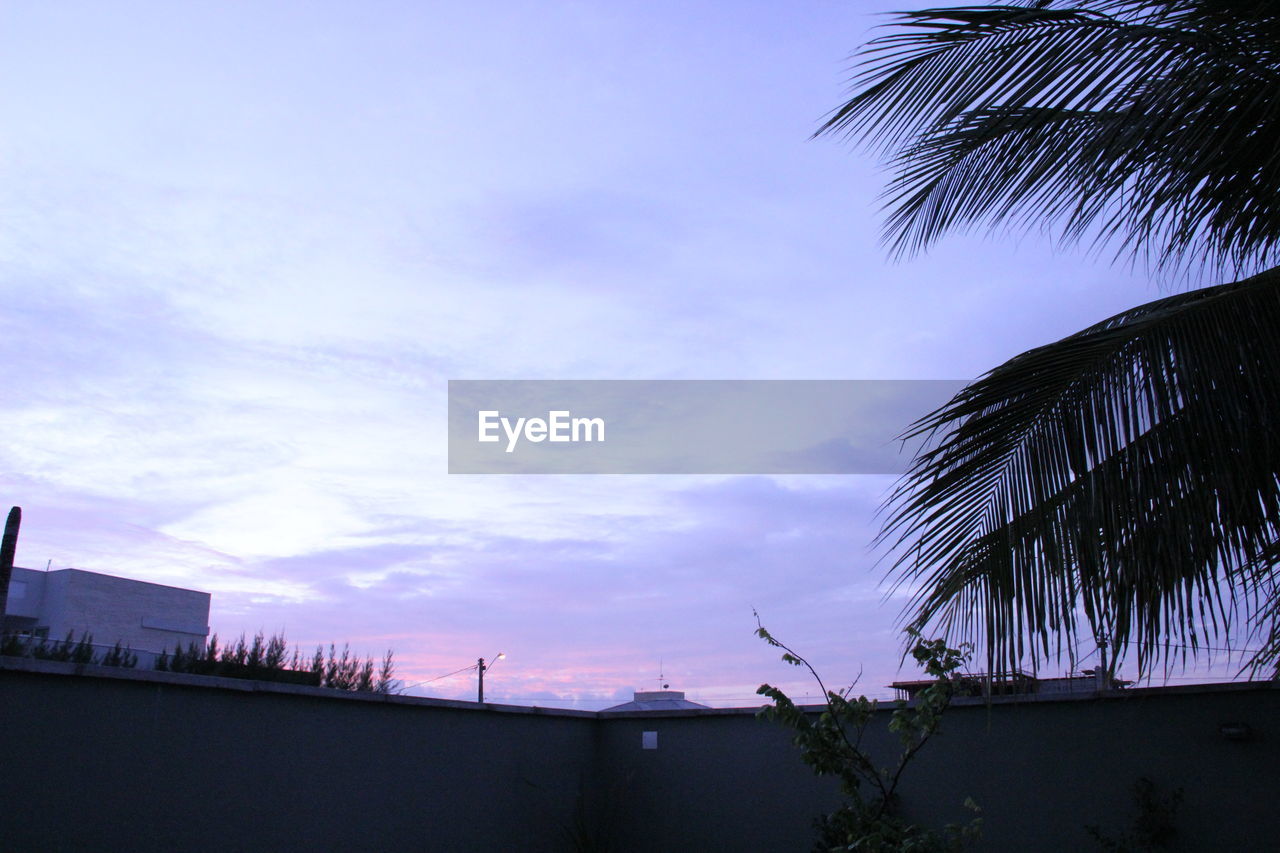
1150,125
1126,478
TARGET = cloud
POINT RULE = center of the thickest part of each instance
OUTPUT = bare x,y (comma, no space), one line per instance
245,248
592,615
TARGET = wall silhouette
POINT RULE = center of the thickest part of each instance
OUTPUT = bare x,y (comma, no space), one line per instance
124,760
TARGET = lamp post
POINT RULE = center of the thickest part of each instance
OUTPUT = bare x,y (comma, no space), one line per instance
480,668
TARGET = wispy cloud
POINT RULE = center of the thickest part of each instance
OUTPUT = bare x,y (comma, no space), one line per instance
245,247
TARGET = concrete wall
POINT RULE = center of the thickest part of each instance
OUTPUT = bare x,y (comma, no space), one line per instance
111,760
159,762
718,781
1040,771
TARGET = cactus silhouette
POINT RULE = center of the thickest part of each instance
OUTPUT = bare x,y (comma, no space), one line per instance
7,549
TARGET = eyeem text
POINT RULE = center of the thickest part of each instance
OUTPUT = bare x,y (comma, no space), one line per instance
558,426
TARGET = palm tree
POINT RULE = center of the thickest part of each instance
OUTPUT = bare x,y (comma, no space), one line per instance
1127,478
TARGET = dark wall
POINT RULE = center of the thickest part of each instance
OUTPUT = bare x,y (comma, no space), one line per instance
1043,771
722,782
159,762
108,764
1040,771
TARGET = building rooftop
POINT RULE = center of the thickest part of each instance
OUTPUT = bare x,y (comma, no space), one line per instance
146,617
1009,684
657,700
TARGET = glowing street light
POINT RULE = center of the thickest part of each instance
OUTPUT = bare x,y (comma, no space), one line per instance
480,668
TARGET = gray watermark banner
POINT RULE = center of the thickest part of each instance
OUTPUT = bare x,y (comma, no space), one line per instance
687,426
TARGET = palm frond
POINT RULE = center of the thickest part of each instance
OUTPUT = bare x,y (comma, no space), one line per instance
1149,125
1126,477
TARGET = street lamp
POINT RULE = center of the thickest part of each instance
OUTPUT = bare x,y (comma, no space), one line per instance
480,668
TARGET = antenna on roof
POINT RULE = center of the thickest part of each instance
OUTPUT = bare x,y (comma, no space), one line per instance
661,677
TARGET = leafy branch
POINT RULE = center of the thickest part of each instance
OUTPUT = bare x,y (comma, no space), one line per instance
832,745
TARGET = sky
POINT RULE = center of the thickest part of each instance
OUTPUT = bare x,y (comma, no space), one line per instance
245,246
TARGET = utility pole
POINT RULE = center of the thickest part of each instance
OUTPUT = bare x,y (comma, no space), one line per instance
8,548
1102,672
480,668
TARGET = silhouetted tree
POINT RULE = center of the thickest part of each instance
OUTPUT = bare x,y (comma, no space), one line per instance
1125,478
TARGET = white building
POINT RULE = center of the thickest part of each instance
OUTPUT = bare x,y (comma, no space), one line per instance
146,617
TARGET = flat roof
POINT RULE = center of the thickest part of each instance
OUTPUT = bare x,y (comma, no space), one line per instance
44,573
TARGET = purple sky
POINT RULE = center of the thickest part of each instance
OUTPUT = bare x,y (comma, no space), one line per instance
245,246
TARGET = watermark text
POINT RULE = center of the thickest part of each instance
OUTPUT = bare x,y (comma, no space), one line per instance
559,425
